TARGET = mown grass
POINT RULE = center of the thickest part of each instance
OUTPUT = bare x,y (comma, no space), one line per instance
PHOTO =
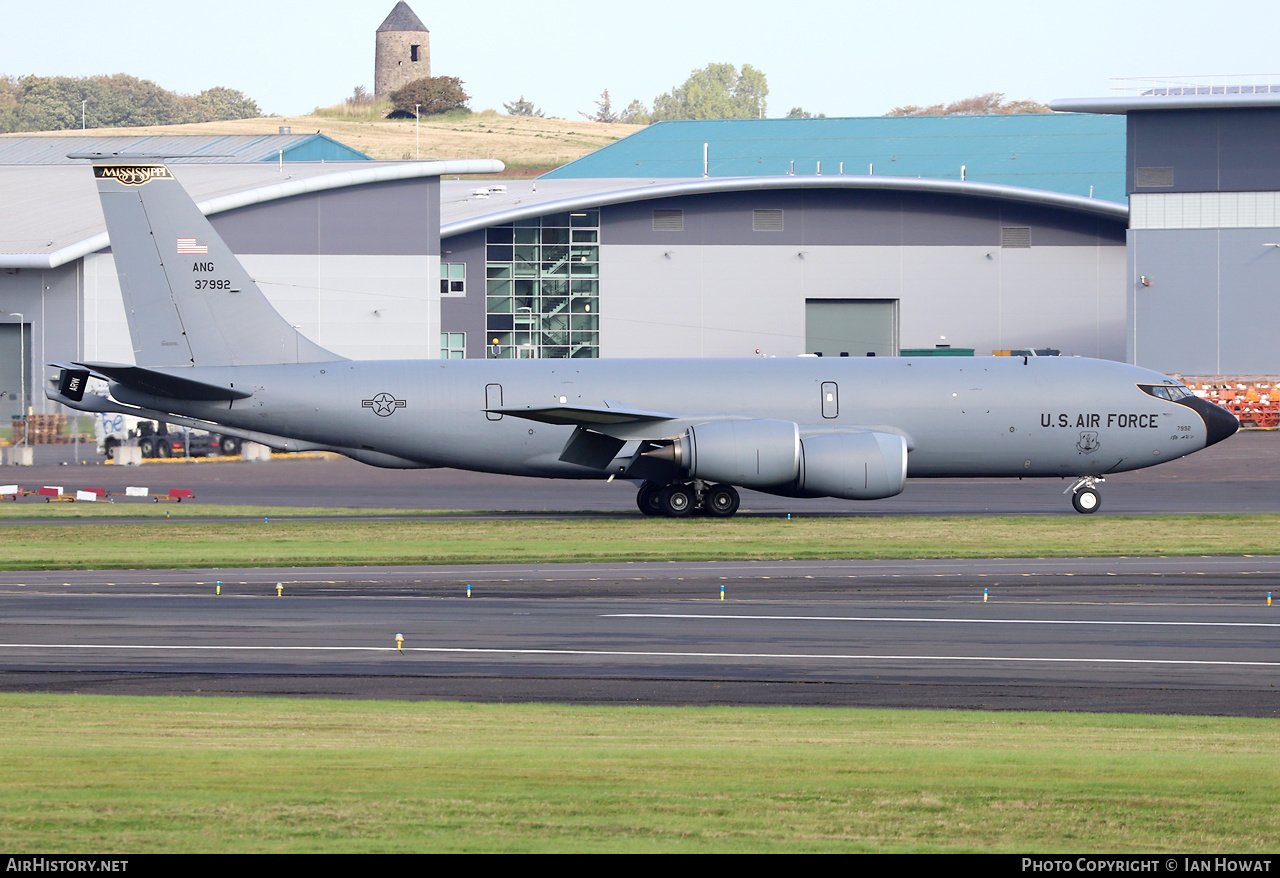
114,774
178,543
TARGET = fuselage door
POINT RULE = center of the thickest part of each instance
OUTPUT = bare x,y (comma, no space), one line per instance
830,400
493,400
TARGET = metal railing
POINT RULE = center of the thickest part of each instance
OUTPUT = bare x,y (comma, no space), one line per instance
1206,84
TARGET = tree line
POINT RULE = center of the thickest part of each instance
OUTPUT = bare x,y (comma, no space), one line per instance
55,103
717,91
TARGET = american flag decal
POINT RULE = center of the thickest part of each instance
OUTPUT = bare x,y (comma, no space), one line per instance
192,247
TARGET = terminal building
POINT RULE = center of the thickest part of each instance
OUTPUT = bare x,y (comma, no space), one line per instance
1129,229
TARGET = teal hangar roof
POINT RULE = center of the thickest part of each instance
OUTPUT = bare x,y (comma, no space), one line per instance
1069,153
179,148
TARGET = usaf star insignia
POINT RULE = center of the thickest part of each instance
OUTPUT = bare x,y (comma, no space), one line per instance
384,404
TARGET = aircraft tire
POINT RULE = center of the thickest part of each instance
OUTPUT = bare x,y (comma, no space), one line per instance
676,501
721,501
648,499
1086,501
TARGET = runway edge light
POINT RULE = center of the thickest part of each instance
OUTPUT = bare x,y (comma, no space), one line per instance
279,589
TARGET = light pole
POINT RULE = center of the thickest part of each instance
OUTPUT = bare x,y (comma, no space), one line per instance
82,106
416,154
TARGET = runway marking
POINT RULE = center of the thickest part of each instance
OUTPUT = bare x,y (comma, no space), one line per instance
928,619
640,654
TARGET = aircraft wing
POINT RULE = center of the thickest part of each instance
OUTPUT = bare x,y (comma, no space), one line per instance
582,415
603,431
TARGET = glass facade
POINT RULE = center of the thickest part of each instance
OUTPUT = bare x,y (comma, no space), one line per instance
453,279
543,287
453,345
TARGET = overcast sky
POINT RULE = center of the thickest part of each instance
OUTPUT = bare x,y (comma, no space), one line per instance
846,59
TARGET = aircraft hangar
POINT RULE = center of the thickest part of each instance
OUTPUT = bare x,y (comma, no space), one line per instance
729,238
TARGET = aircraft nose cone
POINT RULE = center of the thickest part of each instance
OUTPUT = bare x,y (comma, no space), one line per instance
1218,422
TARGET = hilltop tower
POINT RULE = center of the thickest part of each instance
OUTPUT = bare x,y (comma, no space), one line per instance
403,51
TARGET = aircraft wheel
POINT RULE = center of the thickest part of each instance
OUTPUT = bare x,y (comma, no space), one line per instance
676,501
721,501
648,498
229,445
1086,501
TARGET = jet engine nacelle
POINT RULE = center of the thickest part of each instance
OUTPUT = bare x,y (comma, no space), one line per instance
853,466
770,455
756,453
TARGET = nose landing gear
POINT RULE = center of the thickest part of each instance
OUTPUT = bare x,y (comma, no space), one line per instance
682,499
1085,497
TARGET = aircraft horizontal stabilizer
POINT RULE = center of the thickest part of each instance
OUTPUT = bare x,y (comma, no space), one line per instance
164,384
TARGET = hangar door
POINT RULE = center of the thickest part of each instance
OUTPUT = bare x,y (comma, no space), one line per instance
14,348
851,327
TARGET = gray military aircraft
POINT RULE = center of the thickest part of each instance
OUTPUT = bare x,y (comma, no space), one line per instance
212,353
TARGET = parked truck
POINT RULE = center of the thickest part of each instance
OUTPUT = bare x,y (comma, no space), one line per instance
158,439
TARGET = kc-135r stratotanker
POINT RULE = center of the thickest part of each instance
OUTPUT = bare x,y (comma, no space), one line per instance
212,353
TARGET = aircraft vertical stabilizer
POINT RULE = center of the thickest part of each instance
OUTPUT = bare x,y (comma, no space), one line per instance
189,301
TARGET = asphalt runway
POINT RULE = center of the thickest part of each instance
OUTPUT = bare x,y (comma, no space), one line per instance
1154,635
1241,475
1160,635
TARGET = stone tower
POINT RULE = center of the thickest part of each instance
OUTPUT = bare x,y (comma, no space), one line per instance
403,51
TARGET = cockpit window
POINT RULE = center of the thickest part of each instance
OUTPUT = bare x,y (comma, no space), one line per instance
1171,392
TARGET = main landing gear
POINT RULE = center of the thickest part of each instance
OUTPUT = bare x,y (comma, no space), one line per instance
682,499
1085,498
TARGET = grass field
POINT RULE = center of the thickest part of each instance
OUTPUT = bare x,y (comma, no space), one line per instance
133,775
108,774
283,542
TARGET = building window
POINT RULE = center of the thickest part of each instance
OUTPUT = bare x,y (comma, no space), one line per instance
667,220
542,287
453,345
1015,236
766,221
413,53
453,279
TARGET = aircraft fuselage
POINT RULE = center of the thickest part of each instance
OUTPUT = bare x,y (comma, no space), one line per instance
981,416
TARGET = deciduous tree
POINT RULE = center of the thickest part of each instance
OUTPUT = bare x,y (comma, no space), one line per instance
432,94
990,104
52,103
717,91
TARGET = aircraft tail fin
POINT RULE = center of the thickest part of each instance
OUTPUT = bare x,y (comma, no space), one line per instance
189,301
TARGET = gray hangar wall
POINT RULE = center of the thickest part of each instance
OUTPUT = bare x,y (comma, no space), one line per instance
1204,242
727,274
